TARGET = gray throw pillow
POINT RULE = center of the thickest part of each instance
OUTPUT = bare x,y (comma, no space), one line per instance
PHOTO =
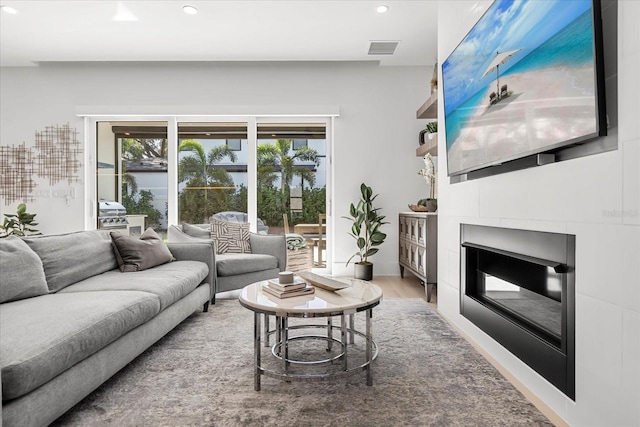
196,231
231,237
21,271
137,254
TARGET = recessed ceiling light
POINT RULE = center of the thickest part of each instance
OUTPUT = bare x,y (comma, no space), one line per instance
189,10
383,8
9,9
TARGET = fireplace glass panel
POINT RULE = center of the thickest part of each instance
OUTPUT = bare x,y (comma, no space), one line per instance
535,309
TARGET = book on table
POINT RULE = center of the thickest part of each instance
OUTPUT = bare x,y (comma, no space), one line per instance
305,290
297,283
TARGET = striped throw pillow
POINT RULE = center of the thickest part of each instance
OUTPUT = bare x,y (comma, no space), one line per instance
230,237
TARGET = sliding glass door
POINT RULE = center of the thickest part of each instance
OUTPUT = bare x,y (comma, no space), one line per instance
270,172
131,176
291,174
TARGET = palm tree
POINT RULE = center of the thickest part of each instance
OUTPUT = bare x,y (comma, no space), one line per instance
277,157
196,202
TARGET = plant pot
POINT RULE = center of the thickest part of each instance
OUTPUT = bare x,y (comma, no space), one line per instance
363,270
425,136
431,205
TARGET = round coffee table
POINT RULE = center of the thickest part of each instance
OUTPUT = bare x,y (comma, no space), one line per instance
360,296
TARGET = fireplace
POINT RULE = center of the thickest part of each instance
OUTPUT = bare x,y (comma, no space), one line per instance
518,286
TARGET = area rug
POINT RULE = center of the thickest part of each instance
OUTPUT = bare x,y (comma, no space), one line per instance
200,374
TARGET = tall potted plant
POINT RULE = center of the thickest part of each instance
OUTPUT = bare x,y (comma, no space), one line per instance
366,231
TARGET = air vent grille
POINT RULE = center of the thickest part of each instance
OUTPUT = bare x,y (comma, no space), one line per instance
383,48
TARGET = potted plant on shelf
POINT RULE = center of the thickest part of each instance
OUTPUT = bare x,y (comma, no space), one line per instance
429,132
20,224
366,231
429,175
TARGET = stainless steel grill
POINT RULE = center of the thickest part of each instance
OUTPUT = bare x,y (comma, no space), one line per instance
112,215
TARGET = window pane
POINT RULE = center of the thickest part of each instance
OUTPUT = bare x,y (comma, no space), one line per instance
132,176
292,180
212,171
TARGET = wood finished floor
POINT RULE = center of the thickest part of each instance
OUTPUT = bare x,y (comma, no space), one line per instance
392,287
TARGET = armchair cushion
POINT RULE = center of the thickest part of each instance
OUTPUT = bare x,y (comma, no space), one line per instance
230,237
196,231
235,264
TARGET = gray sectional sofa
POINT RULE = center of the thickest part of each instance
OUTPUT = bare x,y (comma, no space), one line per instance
70,319
234,271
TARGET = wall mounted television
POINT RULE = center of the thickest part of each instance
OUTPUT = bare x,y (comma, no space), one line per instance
527,79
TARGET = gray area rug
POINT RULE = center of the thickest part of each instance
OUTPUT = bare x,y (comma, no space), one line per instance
201,374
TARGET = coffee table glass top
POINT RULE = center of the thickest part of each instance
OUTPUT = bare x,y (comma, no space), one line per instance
358,295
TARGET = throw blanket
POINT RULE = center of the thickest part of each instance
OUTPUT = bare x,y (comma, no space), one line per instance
295,242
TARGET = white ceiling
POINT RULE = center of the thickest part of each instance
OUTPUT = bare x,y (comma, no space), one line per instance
237,30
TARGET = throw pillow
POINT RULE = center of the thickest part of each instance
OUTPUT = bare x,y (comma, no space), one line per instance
137,254
231,237
21,270
196,231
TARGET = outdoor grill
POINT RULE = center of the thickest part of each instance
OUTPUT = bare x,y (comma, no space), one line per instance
112,215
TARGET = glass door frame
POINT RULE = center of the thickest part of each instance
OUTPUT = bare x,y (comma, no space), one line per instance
90,159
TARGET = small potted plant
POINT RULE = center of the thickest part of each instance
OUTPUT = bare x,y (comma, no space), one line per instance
429,132
20,224
429,175
366,231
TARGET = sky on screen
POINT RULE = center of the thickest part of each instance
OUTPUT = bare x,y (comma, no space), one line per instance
507,25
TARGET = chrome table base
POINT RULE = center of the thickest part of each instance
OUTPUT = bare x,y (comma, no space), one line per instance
280,349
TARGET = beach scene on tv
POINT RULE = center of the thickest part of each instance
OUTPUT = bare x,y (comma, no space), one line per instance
521,81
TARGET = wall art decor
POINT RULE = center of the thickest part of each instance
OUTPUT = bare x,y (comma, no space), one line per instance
55,157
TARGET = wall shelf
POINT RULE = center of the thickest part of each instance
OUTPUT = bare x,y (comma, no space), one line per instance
429,110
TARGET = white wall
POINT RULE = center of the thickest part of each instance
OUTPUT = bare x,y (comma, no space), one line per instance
597,198
375,135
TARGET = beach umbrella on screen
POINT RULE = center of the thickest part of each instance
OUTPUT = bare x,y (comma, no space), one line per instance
501,58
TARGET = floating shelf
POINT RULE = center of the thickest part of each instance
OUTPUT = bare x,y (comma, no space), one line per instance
430,145
429,110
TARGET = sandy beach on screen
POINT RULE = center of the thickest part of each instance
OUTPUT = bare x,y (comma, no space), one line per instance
545,106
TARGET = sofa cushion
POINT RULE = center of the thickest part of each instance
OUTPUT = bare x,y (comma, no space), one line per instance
169,282
137,254
21,271
230,237
197,231
69,258
44,336
233,264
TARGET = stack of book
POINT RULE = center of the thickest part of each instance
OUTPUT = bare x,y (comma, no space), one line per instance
287,290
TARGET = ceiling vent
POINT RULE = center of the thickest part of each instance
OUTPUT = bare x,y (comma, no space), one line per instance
383,48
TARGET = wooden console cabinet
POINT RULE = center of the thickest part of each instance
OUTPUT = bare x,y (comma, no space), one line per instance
419,247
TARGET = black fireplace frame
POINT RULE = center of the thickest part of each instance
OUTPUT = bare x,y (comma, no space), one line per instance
553,357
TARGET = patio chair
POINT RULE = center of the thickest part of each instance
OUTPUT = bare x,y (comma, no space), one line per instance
503,91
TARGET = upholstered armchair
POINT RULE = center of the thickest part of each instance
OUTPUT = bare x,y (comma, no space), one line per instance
267,257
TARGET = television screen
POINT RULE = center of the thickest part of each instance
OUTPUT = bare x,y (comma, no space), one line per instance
526,79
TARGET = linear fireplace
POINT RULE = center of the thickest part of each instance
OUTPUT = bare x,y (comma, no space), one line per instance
518,286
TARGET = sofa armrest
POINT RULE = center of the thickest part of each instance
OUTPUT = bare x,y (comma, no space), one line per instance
197,250
270,245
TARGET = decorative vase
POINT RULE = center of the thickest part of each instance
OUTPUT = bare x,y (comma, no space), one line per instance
432,205
363,270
